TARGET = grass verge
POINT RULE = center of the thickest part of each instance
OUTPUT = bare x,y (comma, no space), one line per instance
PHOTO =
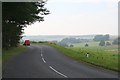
7,54
106,61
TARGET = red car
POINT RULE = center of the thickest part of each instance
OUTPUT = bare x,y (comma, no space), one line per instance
27,43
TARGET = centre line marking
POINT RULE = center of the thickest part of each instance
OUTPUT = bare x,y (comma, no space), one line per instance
43,60
41,54
41,50
52,67
58,72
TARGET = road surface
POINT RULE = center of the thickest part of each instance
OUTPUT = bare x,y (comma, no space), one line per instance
43,61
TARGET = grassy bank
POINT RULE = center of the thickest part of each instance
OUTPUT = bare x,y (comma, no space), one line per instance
0,54
96,57
7,54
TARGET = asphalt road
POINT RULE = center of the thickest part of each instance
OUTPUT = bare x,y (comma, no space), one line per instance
43,61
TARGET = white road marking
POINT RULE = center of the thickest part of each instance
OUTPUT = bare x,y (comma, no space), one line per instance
52,67
41,50
41,54
43,60
58,72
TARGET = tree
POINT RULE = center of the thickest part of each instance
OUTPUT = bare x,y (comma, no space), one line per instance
72,40
16,16
106,37
101,37
102,43
98,38
108,43
71,45
116,41
86,45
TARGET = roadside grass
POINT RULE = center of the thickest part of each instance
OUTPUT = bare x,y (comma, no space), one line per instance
0,54
7,54
97,56
0,62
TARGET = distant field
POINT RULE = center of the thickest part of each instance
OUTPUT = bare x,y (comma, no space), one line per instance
99,57
106,57
91,44
95,45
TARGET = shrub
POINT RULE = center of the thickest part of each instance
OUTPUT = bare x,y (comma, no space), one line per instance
102,43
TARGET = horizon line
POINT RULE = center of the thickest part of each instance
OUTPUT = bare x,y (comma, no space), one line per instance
71,35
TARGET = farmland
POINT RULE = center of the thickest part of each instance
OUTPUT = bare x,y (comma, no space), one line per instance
106,56
113,49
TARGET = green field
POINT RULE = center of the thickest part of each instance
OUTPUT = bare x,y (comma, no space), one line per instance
91,44
106,56
95,45
7,54
0,54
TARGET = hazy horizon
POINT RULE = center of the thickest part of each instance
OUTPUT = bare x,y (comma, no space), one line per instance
70,35
59,37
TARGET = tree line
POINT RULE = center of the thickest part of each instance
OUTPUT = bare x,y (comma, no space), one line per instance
67,41
104,40
102,37
16,16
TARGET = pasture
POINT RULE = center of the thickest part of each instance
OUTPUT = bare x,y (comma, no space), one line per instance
106,56
95,46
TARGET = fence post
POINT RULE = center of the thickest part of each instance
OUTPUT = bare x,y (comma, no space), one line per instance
87,55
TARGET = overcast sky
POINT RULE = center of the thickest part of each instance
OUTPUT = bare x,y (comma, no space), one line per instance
78,17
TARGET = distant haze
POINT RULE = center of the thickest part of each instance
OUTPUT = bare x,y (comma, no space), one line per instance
55,37
58,37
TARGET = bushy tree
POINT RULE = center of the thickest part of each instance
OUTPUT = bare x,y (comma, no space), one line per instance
106,37
72,40
98,38
102,43
16,16
86,45
101,37
108,43
116,41
71,45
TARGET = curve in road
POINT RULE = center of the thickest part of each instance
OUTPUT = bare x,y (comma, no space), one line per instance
43,61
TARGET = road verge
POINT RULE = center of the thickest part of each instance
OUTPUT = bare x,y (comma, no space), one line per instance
76,56
7,54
